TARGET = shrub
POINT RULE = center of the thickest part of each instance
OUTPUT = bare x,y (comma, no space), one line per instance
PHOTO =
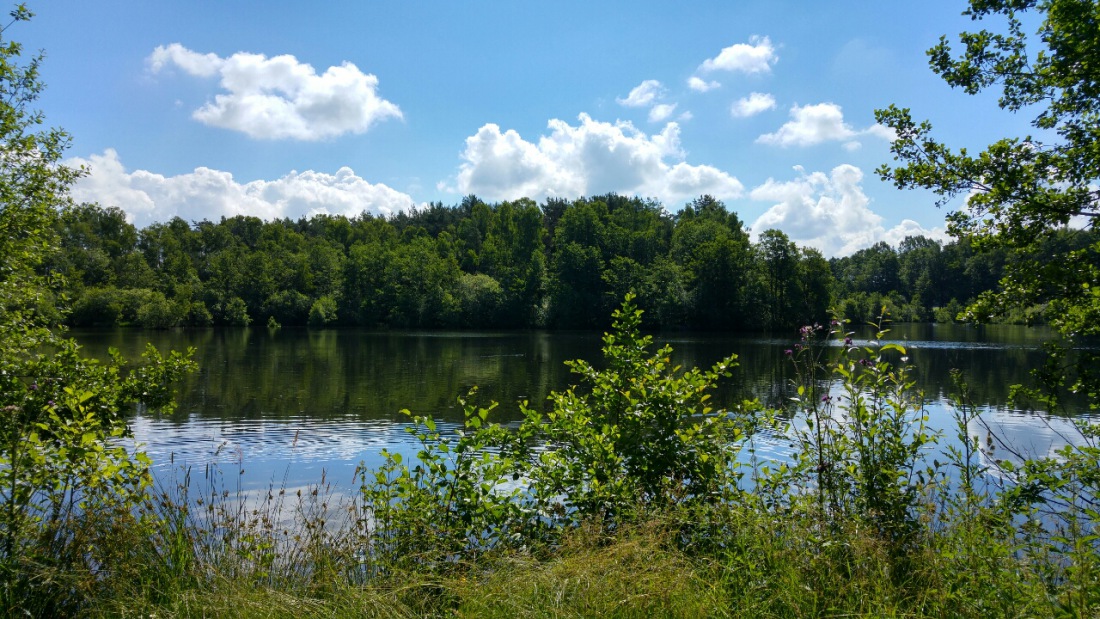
157,312
455,501
232,312
198,315
639,432
60,457
288,307
639,435
861,445
96,307
948,313
479,299
323,312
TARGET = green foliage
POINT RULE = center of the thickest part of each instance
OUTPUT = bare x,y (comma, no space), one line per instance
197,314
61,459
159,313
420,278
921,275
491,520
480,299
638,433
287,306
140,307
948,313
861,446
456,499
1022,192
232,312
577,286
715,259
512,254
61,462
562,265
510,265
630,476
323,312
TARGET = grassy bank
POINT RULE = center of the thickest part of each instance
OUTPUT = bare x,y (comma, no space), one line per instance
749,562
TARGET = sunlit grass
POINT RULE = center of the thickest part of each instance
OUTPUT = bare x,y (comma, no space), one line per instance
635,573
751,562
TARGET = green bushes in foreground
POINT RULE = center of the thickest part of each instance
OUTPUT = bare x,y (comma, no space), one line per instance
68,486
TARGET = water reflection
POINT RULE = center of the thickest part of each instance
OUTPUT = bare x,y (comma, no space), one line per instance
287,404
1012,436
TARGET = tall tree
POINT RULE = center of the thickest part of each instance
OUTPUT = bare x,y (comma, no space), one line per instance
815,281
1021,191
779,259
32,183
577,287
60,458
716,263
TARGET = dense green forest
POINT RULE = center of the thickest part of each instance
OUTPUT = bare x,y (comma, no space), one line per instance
516,264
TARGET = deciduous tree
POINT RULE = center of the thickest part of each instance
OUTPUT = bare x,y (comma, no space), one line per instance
1023,191
60,413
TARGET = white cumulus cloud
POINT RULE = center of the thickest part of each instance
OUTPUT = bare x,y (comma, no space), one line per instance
822,122
699,84
756,56
829,212
194,63
661,112
148,197
592,157
752,105
894,236
882,131
280,97
643,94
811,124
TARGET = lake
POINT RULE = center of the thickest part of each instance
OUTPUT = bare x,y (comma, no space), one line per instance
286,405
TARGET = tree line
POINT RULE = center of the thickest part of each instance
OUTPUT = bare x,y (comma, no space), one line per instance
561,264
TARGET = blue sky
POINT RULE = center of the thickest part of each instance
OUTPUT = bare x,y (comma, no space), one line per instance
283,109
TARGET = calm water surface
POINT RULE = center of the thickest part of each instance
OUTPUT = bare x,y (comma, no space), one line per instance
287,405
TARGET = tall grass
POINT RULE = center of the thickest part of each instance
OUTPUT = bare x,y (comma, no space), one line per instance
749,562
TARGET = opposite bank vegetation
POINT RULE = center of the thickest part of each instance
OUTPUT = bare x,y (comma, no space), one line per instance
626,495
512,265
